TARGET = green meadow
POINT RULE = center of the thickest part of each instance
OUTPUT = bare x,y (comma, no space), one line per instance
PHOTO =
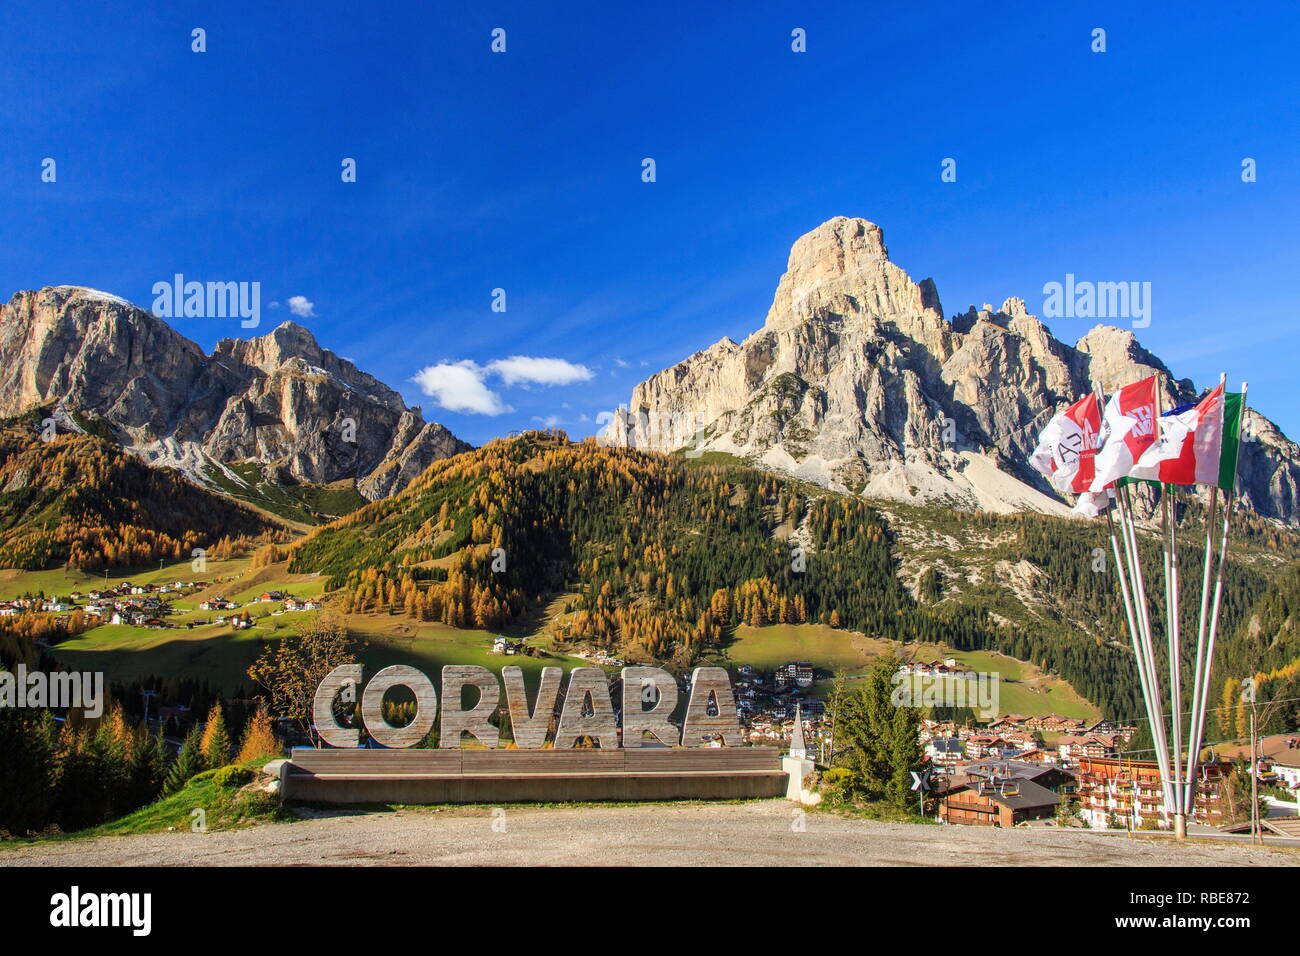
60,581
221,655
1023,688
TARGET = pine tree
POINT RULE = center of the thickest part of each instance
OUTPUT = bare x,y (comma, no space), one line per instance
112,755
259,739
880,738
76,794
27,756
150,771
215,743
187,763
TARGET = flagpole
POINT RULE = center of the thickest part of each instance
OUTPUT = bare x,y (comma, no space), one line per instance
1144,679
1201,693
1230,499
1145,650
1198,693
1172,602
1169,543
1122,571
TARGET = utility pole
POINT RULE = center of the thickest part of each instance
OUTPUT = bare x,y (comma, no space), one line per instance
1254,778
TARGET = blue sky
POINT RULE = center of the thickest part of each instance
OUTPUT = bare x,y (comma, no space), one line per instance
522,171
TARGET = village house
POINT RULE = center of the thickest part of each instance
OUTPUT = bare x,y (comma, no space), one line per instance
1109,728
1009,722
1054,724
946,752
931,729
1037,755
293,604
1280,753
1072,748
1117,791
1048,776
981,745
949,667
1021,739
997,802
794,674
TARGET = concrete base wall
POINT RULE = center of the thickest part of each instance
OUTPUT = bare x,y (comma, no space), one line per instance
534,788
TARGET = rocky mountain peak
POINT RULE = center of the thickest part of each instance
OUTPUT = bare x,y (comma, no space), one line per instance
841,270
1116,358
270,351
279,399
856,381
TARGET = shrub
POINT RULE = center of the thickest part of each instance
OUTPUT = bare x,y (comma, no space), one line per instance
838,785
232,776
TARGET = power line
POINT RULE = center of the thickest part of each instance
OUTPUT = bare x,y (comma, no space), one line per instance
1214,710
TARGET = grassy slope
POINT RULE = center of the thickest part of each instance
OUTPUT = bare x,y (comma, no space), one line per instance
1023,688
388,639
222,655
224,808
304,503
61,581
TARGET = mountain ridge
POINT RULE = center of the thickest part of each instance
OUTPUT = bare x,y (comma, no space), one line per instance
279,399
856,381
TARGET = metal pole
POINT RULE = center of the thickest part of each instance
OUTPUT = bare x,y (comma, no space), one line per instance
1199,693
1254,778
1229,505
1175,660
1168,542
1150,693
1149,697
1169,635
1146,654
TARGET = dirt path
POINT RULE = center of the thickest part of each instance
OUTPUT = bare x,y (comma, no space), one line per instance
761,832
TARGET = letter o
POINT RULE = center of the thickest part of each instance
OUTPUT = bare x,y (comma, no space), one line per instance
372,706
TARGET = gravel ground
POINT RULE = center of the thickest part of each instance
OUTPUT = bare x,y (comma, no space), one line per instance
762,832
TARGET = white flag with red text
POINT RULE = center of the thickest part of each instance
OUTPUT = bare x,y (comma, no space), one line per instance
1128,429
1067,447
1189,447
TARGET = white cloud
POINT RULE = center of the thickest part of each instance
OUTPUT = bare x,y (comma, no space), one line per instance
524,369
462,386
459,387
301,307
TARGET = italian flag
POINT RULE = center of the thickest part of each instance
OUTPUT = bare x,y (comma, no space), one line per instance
1067,447
1127,431
1197,443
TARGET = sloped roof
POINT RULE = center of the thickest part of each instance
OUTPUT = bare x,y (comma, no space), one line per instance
1030,795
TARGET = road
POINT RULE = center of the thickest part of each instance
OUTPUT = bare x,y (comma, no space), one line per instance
766,832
